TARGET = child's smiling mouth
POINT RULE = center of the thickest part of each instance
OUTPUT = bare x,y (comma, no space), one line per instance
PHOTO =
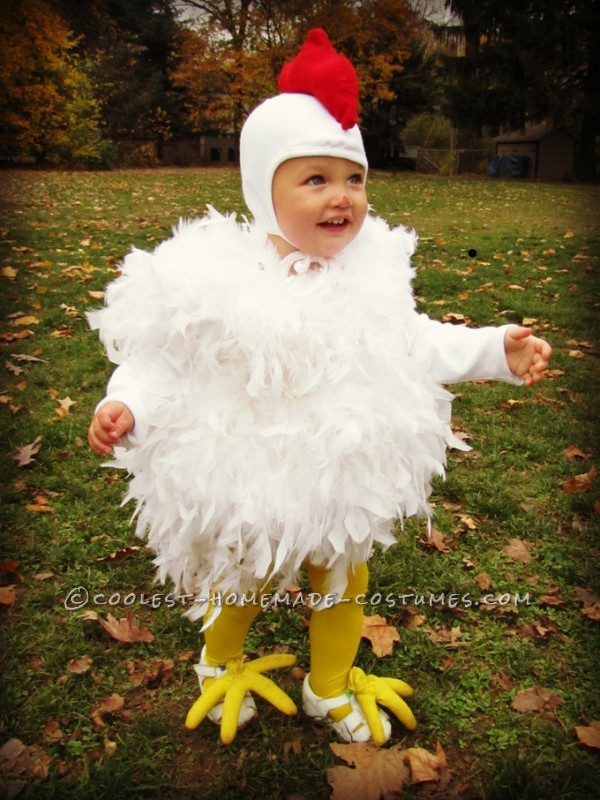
337,224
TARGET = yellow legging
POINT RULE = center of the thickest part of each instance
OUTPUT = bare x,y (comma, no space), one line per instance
334,632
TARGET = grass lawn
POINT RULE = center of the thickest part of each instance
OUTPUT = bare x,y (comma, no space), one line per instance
500,687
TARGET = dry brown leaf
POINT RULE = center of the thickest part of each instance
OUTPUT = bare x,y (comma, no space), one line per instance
8,595
125,629
25,320
41,504
589,735
52,731
96,295
483,581
518,550
535,700
592,612
64,407
573,453
436,540
424,766
377,772
551,600
510,404
25,455
78,666
468,522
20,761
456,319
44,576
151,675
579,483
449,637
113,704
381,635
121,553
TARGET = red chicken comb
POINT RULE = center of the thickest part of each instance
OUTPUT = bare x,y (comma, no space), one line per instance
328,76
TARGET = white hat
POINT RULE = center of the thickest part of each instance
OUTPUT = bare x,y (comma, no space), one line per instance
283,127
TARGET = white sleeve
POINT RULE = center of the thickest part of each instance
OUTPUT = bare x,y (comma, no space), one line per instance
455,353
139,390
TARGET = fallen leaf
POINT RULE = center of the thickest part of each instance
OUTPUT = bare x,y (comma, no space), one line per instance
586,596
592,612
13,369
589,735
436,540
96,295
423,765
579,483
9,272
483,581
78,666
26,358
456,319
535,700
64,407
576,354
377,772
449,637
468,522
126,629
573,453
25,320
293,746
24,455
518,550
40,504
44,576
381,635
510,404
8,595
112,704
121,553
52,731
18,760
152,675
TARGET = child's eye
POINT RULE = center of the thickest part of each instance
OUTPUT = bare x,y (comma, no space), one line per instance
356,178
316,180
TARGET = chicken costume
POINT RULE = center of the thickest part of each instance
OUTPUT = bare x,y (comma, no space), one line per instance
287,411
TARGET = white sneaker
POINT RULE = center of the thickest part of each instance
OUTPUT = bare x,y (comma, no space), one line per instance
353,727
203,670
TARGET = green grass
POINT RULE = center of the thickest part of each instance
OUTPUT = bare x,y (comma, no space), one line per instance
537,257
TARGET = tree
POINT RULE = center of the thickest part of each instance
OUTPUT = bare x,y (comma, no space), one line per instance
528,61
231,58
48,109
129,43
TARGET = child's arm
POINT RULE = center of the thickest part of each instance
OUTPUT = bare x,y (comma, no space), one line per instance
110,423
527,355
456,353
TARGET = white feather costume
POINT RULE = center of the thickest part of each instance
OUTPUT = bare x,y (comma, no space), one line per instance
279,417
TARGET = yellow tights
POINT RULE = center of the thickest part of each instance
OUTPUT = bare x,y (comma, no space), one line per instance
334,635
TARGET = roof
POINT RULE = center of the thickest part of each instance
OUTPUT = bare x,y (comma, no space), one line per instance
531,133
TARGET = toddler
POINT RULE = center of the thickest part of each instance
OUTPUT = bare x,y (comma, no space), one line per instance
279,403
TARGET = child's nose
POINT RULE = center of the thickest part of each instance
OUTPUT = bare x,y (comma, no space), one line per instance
340,198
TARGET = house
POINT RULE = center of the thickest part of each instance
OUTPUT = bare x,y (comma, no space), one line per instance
538,151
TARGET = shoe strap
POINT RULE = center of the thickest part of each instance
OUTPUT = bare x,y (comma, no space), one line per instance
206,671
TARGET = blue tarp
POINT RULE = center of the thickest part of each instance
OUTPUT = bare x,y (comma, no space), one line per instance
508,166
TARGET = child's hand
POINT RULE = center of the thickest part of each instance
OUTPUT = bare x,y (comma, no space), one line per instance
527,355
110,423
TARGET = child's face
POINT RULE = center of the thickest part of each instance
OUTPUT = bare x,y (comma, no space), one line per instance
320,203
